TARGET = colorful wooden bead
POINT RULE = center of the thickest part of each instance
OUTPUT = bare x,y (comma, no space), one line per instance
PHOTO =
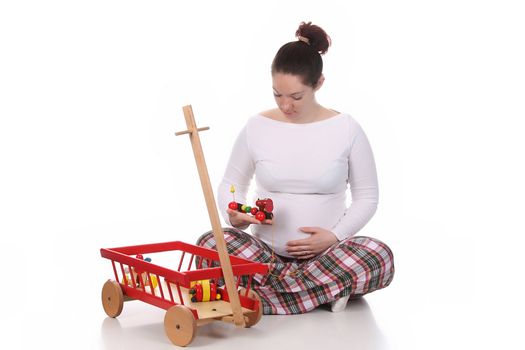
260,216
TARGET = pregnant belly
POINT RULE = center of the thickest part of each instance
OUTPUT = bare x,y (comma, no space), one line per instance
294,211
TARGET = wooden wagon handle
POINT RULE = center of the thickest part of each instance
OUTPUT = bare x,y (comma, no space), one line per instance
190,131
238,317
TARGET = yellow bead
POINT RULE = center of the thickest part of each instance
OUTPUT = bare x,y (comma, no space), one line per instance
154,282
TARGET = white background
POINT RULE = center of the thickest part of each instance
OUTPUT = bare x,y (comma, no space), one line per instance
91,94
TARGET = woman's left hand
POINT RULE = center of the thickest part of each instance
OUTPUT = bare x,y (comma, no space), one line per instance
320,239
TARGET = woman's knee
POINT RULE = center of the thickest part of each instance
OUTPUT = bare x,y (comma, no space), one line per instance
206,240
230,235
368,249
370,243
238,243
383,258
384,251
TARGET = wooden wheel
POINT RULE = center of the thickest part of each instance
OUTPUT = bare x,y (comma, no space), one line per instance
112,298
180,325
253,317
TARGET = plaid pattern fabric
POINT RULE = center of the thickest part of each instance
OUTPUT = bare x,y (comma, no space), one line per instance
354,266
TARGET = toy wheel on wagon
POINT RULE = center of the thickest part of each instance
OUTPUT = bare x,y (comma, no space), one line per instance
112,298
180,325
253,318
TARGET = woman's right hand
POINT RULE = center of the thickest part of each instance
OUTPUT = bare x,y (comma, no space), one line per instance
243,220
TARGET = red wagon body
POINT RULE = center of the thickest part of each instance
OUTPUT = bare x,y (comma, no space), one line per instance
137,279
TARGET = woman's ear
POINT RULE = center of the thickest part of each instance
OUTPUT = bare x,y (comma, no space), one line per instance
319,83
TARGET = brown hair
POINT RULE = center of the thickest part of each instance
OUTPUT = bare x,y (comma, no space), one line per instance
303,57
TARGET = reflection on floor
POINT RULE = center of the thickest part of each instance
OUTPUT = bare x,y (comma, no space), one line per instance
141,327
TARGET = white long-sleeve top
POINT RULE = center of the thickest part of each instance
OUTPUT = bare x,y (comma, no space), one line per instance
306,170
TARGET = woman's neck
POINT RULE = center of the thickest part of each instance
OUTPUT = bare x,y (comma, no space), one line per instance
310,116
314,114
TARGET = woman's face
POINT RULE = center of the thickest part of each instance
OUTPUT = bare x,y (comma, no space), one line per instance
293,98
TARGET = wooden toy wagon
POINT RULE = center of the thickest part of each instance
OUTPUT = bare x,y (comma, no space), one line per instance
217,273
136,279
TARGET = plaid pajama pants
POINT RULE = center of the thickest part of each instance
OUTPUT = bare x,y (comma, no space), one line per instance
354,266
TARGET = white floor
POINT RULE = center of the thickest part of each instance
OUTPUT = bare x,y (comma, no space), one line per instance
305,331
428,306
